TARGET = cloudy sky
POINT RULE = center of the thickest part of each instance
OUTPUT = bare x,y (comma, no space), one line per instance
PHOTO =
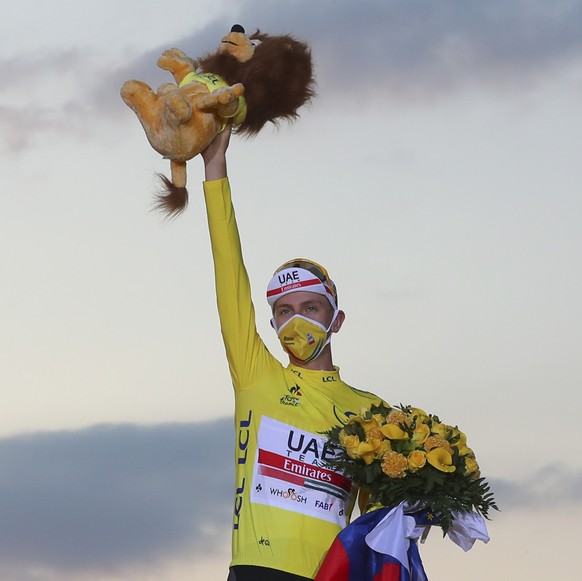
436,174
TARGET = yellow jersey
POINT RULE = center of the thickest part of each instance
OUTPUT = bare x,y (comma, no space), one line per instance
288,506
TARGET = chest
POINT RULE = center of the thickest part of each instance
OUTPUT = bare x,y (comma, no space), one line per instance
312,405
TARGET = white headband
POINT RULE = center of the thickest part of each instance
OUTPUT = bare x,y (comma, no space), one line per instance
291,280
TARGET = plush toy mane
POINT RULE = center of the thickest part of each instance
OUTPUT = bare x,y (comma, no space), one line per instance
278,79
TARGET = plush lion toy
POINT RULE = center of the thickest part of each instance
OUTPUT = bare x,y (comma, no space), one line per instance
248,81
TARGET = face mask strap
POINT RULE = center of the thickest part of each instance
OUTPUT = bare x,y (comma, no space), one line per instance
328,330
335,314
278,330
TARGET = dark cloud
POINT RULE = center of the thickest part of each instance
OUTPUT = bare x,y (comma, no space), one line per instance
112,496
380,50
384,50
25,127
553,485
421,48
63,103
414,48
36,65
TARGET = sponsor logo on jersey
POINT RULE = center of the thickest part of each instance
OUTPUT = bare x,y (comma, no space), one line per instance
342,416
295,390
291,472
288,494
324,505
292,399
244,434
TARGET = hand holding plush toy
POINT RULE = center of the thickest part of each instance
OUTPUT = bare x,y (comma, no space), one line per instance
248,81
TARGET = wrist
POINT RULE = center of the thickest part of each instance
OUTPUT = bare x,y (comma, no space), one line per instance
215,169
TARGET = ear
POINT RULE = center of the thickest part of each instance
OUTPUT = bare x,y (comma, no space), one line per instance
339,321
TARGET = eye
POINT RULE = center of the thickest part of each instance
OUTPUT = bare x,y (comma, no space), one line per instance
255,42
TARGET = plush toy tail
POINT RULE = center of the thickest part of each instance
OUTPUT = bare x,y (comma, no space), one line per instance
173,195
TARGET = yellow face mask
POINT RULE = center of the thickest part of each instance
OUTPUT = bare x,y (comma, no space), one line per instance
303,338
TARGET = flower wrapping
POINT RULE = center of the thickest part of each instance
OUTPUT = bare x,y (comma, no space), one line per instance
351,558
410,464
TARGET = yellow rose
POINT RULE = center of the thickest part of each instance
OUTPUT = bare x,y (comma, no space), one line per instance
459,437
375,442
416,460
366,452
471,466
455,432
440,429
375,437
441,460
342,436
379,418
393,432
383,448
463,450
351,443
421,433
422,416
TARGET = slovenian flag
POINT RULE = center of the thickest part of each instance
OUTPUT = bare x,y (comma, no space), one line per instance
351,558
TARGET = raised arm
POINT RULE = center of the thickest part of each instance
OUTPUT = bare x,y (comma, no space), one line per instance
246,352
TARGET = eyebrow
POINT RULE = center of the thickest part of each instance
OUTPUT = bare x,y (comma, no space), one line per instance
319,299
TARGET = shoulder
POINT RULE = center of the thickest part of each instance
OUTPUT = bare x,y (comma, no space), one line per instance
365,395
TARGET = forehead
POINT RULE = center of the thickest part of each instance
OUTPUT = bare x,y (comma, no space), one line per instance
301,298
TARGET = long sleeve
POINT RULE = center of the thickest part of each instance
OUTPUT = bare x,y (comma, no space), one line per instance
248,357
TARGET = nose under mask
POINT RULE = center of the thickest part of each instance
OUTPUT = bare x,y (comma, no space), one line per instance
304,338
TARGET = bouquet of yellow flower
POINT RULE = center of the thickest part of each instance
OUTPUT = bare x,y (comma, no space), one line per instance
402,454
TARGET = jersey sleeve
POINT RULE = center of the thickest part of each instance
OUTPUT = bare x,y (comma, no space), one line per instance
248,357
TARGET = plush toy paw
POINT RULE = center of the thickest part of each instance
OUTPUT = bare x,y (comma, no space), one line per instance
176,62
177,108
137,95
224,101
